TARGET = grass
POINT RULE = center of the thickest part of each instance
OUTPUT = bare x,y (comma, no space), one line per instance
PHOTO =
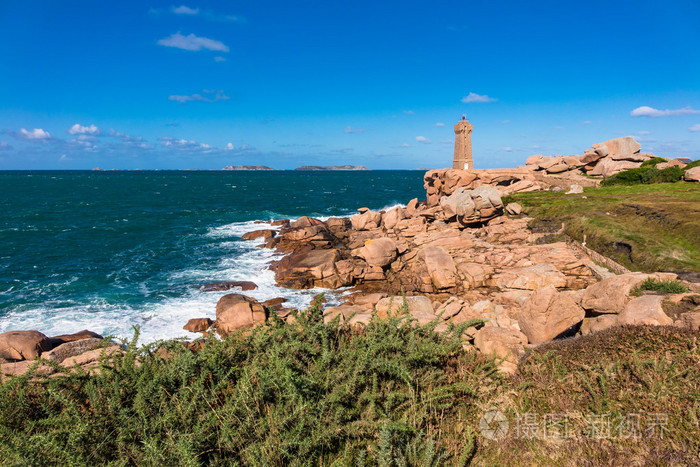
604,383
664,287
387,394
649,228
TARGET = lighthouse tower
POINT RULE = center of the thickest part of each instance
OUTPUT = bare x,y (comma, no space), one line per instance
463,146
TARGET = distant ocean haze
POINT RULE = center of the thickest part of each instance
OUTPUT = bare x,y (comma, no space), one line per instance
109,250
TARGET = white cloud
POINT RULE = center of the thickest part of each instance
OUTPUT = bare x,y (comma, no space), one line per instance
86,142
439,124
474,97
409,112
587,122
507,148
78,129
5,146
183,144
645,111
423,139
192,42
349,129
64,158
405,145
219,59
229,147
643,133
694,128
217,96
37,134
185,10
505,122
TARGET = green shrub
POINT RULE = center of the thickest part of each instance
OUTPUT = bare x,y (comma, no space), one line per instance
655,285
668,175
307,393
644,175
628,177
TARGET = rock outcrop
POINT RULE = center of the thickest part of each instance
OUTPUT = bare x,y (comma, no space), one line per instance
235,312
692,174
23,345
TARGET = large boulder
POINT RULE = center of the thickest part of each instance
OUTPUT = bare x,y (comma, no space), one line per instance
558,168
692,174
459,203
366,220
73,348
486,197
317,236
378,252
23,345
591,156
392,217
549,313
306,268
612,294
472,206
235,312
198,325
622,145
607,167
646,309
55,341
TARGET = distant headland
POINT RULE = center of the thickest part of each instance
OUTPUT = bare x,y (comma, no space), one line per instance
248,167
332,167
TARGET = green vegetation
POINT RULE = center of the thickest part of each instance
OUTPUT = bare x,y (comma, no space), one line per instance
643,227
306,393
665,287
648,173
645,175
607,380
310,393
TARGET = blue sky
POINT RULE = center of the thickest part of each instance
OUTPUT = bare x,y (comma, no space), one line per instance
138,84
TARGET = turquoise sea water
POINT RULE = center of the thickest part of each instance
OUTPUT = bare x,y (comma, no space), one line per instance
108,250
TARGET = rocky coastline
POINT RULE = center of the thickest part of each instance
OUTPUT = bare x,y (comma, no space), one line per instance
460,256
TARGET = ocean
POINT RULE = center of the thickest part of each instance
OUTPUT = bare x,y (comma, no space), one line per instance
107,251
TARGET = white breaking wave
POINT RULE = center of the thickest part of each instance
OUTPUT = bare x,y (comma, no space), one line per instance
164,317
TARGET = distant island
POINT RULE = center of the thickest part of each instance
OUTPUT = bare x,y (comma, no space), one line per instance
332,167
248,167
